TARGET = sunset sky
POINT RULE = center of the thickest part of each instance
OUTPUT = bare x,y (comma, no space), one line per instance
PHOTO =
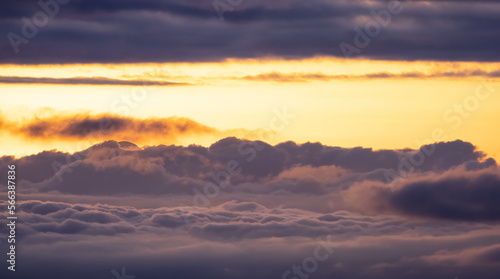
379,104
371,125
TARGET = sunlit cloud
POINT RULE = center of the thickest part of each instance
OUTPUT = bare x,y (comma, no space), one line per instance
303,77
178,201
57,126
83,81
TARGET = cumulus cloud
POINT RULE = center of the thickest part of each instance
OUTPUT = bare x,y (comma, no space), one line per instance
250,167
143,208
457,194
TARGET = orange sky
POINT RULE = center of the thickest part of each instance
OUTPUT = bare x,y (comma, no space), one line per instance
379,104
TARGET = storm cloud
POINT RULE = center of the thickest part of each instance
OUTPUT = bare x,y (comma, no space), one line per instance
168,31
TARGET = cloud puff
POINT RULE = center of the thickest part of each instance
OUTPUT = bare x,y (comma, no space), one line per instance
119,205
248,167
456,195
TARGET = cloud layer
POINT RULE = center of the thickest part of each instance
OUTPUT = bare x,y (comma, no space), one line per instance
160,31
83,81
222,211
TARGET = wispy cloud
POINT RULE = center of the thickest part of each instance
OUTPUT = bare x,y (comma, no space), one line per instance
85,126
304,77
84,81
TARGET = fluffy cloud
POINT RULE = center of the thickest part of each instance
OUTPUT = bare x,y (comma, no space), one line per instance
457,195
114,168
117,205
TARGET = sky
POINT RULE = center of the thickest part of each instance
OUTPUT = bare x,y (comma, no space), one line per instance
251,139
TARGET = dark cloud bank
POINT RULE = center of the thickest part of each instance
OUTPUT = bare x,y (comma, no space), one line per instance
172,30
164,211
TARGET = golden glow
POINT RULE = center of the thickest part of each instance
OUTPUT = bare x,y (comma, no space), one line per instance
345,106
233,69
